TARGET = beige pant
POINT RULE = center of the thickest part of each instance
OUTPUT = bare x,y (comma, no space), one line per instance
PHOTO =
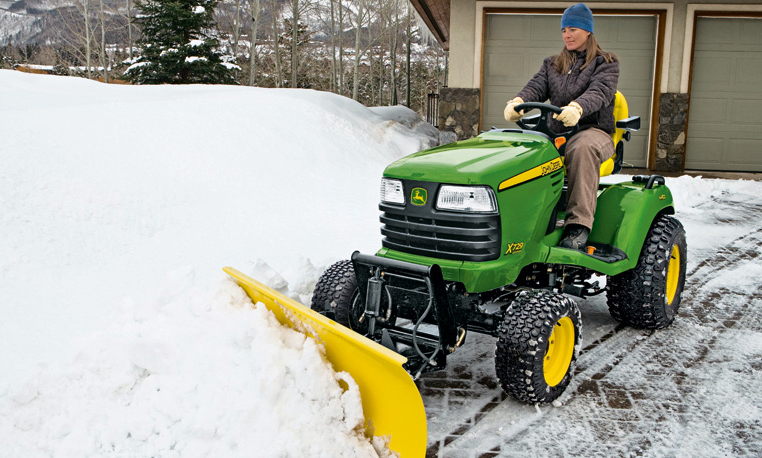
585,153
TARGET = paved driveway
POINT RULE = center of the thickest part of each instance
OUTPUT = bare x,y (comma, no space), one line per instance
691,390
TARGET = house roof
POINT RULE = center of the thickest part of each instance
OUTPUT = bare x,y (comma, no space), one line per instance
436,15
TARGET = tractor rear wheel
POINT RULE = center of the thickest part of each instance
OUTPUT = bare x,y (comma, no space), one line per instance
537,347
648,296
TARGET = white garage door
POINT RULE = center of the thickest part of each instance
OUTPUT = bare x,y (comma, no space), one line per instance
724,122
516,44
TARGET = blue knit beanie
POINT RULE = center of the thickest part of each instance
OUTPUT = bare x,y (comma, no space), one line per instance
578,16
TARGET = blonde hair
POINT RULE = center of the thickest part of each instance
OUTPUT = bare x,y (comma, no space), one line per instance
564,60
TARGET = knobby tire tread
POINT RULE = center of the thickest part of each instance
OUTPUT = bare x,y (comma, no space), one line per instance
637,297
523,340
334,291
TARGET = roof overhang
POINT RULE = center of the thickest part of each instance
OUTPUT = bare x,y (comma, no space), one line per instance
436,15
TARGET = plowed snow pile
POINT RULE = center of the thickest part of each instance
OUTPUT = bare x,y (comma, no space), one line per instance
191,378
119,334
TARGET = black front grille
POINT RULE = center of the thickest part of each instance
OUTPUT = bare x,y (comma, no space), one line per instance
444,235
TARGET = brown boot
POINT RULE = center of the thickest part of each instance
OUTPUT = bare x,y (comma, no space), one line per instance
575,237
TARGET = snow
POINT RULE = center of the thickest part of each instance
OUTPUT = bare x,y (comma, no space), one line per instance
178,381
120,335
120,207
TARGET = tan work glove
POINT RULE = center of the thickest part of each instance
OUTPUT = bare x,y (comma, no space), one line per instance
510,114
570,114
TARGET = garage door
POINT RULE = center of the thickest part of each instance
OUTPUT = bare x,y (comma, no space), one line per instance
724,123
516,44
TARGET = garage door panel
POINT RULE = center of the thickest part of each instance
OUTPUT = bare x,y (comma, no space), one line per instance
707,152
745,112
742,152
632,150
636,67
750,33
724,127
623,32
503,66
708,110
747,72
505,33
545,26
721,35
712,70
495,108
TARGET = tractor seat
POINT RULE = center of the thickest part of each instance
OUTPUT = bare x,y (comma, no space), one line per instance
624,126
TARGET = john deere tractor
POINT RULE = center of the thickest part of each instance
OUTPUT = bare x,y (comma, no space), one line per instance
470,244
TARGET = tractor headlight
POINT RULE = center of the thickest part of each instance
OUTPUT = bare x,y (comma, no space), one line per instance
477,199
392,192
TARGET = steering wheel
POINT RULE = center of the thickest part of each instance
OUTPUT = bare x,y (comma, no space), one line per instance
542,123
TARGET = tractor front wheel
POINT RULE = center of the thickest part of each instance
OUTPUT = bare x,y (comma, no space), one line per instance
648,296
537,347
337,296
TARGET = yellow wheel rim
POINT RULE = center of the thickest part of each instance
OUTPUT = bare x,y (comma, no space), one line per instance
673,274
560,351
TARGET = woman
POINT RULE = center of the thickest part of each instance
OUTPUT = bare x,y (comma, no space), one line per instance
581,79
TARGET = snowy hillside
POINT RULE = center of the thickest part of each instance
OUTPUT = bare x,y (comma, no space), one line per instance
120,206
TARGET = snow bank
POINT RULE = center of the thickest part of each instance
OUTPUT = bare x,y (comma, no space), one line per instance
188,378
106,188
411,120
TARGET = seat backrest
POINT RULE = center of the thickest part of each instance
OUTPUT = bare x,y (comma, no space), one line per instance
620,112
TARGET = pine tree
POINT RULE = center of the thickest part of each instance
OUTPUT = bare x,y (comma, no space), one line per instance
177,45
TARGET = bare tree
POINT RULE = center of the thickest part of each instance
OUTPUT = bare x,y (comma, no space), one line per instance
103,50
78,31
274,12
254,10
407,67
359,20
393,54
333,46
130,41
341,47
299,8
294,41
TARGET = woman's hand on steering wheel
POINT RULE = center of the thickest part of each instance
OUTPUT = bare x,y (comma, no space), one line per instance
542,124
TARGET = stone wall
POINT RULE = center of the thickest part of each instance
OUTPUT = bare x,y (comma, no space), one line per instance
670,143
459,111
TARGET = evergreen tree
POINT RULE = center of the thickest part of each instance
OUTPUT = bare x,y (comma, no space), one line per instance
177,47
286,41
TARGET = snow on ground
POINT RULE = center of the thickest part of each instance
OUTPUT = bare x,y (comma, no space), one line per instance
120,336
120,206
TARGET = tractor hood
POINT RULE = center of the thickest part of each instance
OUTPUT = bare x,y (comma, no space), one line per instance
489,159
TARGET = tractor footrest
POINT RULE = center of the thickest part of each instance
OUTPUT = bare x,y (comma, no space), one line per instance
605,253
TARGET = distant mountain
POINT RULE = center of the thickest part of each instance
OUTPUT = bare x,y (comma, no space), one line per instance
38,21
19,22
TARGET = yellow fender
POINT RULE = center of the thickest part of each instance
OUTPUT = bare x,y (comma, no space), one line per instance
390,400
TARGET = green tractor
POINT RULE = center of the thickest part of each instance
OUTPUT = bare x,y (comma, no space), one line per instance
470,234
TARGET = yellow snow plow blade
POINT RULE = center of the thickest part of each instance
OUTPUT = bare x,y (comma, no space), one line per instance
390,399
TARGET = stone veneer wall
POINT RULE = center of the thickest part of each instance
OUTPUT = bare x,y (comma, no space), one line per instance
670,143
459,111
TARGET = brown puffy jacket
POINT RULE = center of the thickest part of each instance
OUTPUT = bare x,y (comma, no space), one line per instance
593,88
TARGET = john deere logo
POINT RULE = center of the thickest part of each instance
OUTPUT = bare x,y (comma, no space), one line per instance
418,197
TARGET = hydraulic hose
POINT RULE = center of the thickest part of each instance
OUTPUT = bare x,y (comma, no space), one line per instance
427,360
